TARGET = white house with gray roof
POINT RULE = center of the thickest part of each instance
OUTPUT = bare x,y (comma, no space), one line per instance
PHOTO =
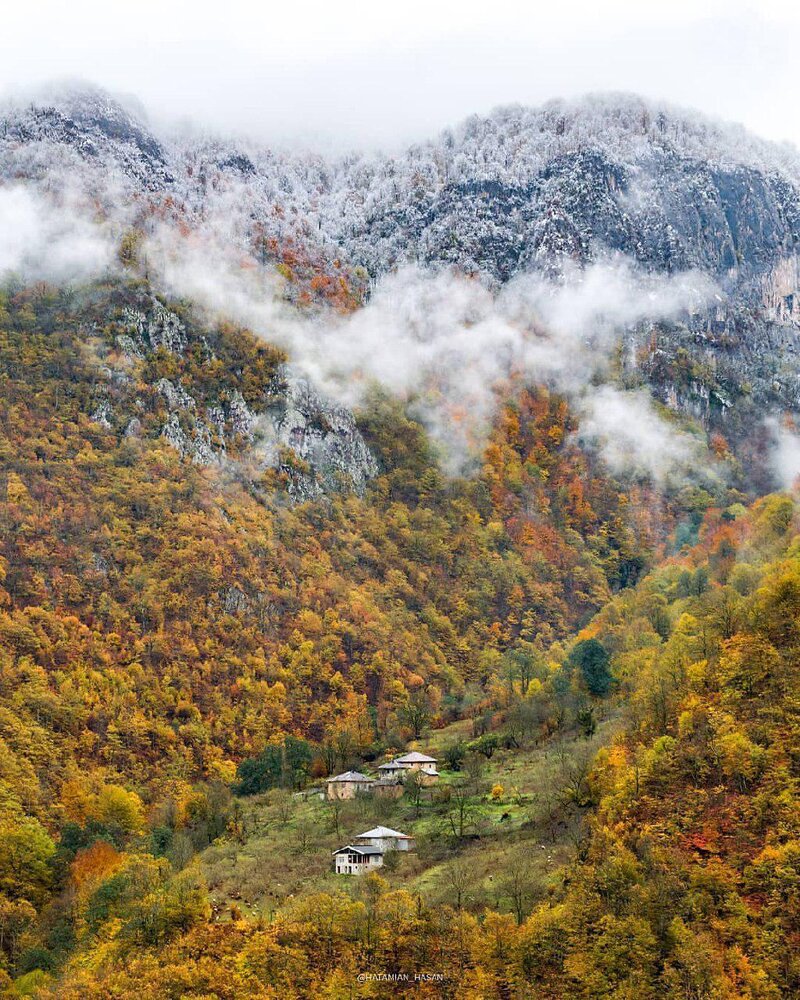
386,839
355,860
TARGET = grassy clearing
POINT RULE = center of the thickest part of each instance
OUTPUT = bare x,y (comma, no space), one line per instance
474,849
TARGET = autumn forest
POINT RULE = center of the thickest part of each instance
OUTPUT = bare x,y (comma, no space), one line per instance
605,670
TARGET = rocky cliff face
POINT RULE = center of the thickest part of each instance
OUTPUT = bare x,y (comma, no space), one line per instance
85,131
327,448
663,211
285,426
517,190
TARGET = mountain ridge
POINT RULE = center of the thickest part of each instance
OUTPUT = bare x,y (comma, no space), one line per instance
518,192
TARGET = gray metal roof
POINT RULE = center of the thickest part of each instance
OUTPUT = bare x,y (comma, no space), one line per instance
351,776
350,849
383,832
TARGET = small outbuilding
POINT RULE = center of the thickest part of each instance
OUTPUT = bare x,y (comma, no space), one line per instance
355,860
348,785
388,788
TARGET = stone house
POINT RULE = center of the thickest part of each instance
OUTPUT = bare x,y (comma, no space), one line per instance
400,767
348,785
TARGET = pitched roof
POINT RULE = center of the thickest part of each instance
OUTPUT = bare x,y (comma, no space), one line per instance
351,776
392,765
383,832
350,849
415,758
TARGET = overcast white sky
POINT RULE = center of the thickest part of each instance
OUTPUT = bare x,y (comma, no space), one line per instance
383,72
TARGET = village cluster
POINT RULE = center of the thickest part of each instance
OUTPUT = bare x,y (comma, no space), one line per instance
367,850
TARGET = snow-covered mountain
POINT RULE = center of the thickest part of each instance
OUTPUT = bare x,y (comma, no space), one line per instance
517,191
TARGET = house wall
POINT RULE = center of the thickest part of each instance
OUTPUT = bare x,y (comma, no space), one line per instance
346,867
385,843
426,777
429,770
346,789
388,791
395,772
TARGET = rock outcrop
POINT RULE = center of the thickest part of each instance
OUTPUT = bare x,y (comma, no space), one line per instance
293,429
323,436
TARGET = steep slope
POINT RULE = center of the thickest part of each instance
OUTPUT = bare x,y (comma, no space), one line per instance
202,559
86,130
185,607
234,404
520,188
165,611
683,886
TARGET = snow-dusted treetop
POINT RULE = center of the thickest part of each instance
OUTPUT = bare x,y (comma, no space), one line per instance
519,189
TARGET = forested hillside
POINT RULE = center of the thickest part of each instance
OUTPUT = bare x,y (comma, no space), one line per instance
470,450
162,622
191,610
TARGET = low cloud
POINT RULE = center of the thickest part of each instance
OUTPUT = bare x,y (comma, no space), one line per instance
450,346
447,344
785,453
634,438
52,240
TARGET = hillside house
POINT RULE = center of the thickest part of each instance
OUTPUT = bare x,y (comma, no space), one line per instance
400,767
354,860
348,785
388,788
386,839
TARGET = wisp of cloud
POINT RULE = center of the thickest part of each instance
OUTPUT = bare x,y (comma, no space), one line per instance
53,240
446,343
449,345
